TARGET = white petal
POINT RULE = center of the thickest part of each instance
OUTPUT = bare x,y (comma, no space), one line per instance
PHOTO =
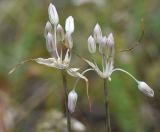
69,25
50,62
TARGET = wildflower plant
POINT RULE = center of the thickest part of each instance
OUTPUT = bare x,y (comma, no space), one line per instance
105,46
58,39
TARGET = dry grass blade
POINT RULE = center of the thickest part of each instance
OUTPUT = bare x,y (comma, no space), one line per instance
139,40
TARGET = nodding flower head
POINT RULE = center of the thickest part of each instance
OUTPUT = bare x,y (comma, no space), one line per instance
72,100
106,51
143,87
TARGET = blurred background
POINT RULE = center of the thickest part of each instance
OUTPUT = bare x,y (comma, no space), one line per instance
31,99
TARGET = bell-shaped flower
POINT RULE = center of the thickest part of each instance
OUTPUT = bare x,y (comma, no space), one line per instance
53,15
72,100
69,25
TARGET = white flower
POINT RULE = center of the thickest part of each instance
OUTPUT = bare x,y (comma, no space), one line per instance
69,25
53,15
143,87
72,100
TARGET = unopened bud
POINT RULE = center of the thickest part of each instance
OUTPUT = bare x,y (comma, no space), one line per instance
91,45
143,87
102,44
60,32
68,40
53,15
69,25
72,100
97,33
48,28
50,43
110,40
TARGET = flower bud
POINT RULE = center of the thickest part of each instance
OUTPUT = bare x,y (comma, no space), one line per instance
50,42
91,45
69,25
97,33
72,100
48,28
110,40
60,32
68,40
53,15
102,44
143,87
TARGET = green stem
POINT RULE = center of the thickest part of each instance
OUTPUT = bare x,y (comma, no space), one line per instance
66,102
106,101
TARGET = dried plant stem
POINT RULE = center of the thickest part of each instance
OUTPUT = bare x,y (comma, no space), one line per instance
108,124
66,102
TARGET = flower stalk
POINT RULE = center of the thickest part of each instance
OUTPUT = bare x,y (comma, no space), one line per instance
66,101
106,102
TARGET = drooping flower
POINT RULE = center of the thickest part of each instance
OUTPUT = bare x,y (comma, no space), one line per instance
72,100
106,51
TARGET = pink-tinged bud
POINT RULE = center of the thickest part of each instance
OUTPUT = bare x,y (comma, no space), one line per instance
110,40
103,44
97,33
53,15
48,28
143,87
60,32
72,100
91,45
69,25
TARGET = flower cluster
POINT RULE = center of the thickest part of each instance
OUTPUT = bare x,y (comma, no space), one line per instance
57,38
106,51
